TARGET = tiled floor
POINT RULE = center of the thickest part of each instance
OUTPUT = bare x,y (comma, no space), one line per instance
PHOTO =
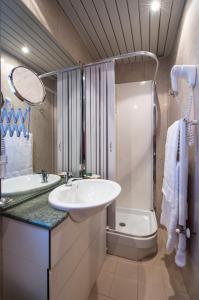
153,279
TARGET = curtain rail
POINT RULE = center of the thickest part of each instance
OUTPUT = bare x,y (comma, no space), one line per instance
114,58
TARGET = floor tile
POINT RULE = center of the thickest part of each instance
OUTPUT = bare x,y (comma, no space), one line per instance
110,264
127,269
154,261
103,283
171,296
155,278
174,283
94,296
150,292
123,289
162,239
150,275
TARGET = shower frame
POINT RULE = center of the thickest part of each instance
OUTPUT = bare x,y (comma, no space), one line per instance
112,208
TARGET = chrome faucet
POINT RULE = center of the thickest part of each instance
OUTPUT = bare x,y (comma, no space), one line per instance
44,175
67,177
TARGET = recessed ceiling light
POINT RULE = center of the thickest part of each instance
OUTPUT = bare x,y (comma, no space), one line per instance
25,49
155,5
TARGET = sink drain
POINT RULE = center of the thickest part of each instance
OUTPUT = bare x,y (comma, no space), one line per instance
122,224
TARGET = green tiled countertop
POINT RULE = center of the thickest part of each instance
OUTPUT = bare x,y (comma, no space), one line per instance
35,210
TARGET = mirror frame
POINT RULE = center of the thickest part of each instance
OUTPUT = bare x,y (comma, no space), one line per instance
17,94
1,100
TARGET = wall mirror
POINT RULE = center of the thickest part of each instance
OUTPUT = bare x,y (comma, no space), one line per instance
27,86
25,55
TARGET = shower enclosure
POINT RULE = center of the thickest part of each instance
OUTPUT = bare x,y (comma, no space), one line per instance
135,228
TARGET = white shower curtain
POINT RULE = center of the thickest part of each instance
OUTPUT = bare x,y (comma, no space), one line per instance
99,127
69,120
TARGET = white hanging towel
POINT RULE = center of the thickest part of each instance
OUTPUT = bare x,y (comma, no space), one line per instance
171,152
172,240
180,258
174,204
19,153
169,213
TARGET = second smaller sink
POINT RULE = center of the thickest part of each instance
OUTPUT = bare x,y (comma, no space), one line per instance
85,197
25,184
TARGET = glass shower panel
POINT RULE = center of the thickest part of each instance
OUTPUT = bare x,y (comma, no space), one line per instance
134,163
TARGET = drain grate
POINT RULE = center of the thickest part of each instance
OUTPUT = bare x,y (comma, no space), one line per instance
122,224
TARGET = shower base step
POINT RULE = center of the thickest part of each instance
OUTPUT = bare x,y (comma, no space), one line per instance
137,239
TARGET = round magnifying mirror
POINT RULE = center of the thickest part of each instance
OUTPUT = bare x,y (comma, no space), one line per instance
27,86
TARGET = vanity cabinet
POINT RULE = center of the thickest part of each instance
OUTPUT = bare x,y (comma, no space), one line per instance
58,264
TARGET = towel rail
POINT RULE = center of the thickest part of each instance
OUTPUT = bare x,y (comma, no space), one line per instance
188,73
186,231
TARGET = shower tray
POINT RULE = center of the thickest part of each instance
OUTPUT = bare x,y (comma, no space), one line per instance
135,234
137,222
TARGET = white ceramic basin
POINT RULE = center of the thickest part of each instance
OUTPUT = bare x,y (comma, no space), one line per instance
85,197
27,184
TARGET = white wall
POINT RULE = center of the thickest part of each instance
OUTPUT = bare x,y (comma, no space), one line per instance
135,144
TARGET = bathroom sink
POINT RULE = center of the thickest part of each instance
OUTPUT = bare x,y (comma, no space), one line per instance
27,184
84,197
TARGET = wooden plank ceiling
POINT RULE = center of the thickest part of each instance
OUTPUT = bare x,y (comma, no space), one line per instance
107,27
20,28
111,27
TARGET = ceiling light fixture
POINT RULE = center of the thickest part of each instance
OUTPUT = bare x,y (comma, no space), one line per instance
155,5
25,49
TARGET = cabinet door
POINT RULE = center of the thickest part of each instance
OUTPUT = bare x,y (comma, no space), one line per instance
25,261
77,254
